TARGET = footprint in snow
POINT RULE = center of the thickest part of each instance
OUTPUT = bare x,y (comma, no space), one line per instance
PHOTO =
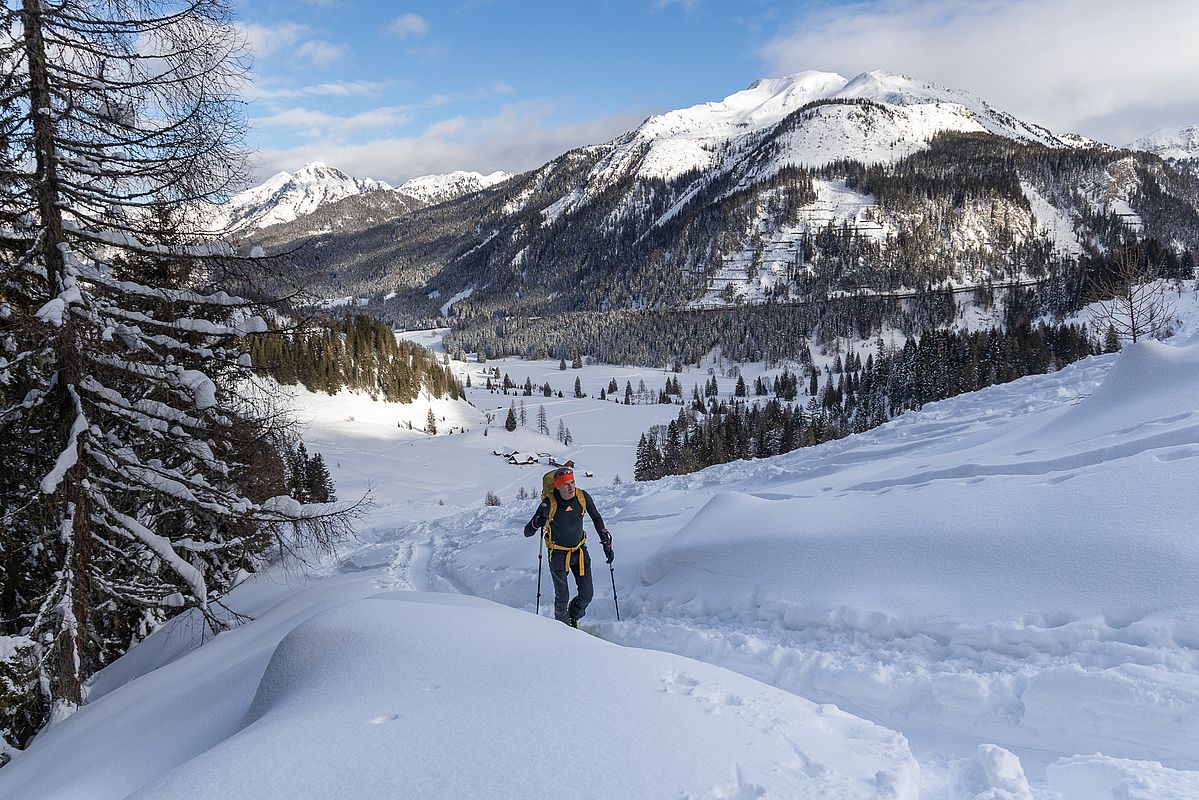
383,719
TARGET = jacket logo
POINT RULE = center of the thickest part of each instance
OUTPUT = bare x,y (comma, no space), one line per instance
570,508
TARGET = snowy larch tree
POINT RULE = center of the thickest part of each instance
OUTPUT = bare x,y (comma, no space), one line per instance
138,480
1134,301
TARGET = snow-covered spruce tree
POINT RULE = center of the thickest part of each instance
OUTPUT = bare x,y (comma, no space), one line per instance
134,480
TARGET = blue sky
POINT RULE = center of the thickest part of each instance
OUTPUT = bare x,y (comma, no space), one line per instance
392,90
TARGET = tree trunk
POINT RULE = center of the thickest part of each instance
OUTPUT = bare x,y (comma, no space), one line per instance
74,654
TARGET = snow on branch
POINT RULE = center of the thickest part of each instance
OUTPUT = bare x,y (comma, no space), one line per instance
53,311
242,327
161,547
70,454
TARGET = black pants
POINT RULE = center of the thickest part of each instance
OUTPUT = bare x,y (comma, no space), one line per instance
576,608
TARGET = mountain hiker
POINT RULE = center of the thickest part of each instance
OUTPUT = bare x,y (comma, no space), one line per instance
560,520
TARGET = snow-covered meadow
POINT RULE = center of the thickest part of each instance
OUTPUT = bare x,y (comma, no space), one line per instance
996,597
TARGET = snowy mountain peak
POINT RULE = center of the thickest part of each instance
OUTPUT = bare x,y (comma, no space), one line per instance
894,89
432,189
764,103
285,196
709,136
1178,144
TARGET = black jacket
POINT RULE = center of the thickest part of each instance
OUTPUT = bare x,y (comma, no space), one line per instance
566,529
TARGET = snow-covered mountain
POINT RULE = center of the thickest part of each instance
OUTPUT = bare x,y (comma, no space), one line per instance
1177,145
710,136
433,189
730,202
287,196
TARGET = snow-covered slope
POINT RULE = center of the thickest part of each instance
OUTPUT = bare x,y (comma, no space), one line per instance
433,189
347,690
286,196
1180,144
1005,579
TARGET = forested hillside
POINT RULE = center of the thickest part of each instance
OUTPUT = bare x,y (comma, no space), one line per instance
849,396
357,352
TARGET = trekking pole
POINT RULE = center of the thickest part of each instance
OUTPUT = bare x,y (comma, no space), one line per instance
612,571
540,545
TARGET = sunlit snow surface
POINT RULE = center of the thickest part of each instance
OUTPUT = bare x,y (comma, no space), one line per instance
1007,579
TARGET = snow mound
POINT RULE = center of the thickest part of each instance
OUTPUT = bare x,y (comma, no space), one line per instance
1151,375
443,696
1099,778
991,774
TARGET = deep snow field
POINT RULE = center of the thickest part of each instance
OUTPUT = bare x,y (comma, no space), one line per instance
996,598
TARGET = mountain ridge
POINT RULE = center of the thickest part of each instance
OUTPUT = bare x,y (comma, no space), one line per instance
740,200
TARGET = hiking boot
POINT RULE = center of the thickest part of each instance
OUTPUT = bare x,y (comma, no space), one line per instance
573,622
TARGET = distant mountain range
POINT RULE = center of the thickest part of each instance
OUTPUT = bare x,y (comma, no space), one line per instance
794,188
433,189
287,196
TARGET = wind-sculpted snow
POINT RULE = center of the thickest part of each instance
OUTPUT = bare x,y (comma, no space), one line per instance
339,692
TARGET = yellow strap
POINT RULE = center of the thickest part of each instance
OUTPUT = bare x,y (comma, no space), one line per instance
570,551
549,539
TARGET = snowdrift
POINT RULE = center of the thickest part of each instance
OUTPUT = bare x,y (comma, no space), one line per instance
403,694
1053,547
1014,566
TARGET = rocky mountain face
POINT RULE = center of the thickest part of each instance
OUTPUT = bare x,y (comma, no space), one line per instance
799,188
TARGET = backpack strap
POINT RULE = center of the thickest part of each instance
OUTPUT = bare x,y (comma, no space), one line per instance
549,536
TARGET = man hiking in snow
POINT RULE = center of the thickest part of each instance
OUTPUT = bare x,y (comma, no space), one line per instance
560,520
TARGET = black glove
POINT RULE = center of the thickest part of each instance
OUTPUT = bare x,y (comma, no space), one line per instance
530,530
606,541
608,552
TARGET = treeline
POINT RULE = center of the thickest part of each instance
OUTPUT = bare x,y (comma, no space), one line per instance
357,352
854,396
663,338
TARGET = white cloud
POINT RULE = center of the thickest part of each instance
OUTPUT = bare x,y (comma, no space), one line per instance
446,127
347,88
1106,69
388,117
264,89
266,40
321,53
296,118
409,25
519,137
